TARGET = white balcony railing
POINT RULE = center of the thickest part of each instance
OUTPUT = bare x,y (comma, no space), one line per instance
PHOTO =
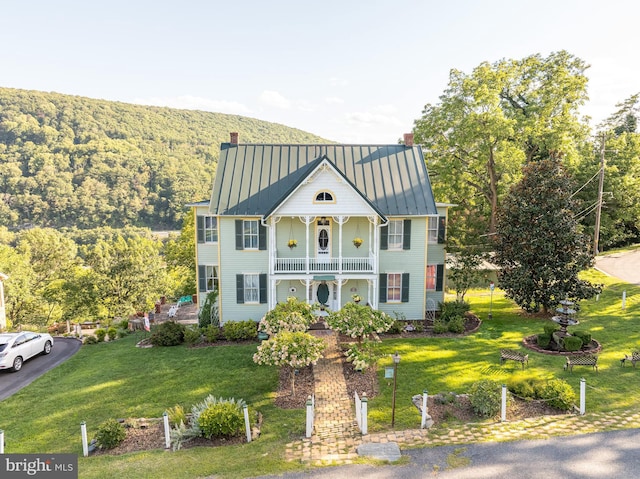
328,265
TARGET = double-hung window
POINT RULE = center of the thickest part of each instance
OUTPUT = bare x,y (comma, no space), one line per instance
207,229
251,288
396,230
211,277
434,277
394,287
432,230
250,234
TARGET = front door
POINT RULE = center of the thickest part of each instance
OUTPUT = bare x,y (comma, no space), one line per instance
323,240
323,293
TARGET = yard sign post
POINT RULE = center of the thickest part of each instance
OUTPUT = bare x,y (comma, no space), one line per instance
491,288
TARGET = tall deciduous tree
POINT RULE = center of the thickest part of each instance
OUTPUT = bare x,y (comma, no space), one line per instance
130,273
489,123
539,247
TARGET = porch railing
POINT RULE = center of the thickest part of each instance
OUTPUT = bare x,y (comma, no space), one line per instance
329,265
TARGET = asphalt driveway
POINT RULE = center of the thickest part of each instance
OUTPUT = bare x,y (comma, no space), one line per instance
625,266
63,349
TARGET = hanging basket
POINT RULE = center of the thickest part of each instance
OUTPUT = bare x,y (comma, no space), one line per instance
292,243
357,242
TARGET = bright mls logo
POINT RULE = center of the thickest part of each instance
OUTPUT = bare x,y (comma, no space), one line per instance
58,466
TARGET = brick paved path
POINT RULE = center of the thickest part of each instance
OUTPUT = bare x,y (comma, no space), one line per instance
336,435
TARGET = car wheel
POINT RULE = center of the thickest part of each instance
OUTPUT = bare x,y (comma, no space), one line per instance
17,364
47,347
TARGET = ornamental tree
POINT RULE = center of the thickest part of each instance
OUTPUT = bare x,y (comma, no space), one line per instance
292,315
539,247
359,321
293,349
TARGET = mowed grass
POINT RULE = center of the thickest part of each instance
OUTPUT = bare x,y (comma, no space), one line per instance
453,364
118,380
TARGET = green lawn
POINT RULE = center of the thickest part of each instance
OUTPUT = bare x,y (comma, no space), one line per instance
117,380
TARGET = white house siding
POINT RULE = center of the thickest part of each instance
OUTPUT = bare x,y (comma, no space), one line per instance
408,261
347,201
234,262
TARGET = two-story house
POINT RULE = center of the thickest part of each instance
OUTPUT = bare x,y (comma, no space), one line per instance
324,223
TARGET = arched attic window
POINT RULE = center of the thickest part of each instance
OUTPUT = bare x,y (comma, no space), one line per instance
324,197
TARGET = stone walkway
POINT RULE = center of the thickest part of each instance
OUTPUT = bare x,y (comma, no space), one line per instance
336,435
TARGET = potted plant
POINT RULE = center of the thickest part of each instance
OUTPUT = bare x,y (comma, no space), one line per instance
356,298
292,243
357,241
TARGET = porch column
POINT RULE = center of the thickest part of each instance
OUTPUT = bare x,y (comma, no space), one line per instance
340,220
308,293
307,220
272,296
339,284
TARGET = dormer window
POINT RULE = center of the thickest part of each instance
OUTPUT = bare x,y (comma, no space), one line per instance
324,197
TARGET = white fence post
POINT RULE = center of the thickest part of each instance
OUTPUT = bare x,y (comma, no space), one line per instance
583,391
309,416
624,299
1,441
247,424
358,409
425,411
85,444
364,411
167,434
503,416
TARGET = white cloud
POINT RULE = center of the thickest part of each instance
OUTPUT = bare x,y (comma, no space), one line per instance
275,99
381,115
307,106
189,102
335,81
334,100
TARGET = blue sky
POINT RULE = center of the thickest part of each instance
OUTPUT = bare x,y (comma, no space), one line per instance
349,71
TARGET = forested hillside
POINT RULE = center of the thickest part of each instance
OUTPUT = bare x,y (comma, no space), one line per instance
68,161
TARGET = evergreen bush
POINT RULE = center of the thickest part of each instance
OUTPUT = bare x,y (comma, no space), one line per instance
112,333
224,419
584,335
101,334
559,394
485,397
572,343
440,326
240,330
543,340
550,327
110,434
168,333
213,333
456,324
192,335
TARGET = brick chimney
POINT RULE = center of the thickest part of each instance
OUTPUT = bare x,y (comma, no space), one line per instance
234,138
408,139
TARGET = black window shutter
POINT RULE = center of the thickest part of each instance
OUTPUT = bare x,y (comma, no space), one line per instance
239,288
263,288
384,237
405,288
202,278
406,235
200,221
383,288
239,239
442,228
439,277
262,237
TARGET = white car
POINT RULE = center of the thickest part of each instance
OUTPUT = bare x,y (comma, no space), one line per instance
16,348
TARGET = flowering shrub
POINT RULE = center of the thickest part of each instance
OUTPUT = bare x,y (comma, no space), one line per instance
293,349
359,321
293,315
363,355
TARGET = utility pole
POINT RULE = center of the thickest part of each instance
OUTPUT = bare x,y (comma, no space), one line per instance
596,233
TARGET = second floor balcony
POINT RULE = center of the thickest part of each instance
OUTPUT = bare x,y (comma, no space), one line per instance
325,265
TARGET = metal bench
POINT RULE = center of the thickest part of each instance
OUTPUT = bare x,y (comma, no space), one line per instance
634,358
584,360
509,354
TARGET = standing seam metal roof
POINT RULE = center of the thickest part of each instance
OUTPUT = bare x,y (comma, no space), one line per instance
252,179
